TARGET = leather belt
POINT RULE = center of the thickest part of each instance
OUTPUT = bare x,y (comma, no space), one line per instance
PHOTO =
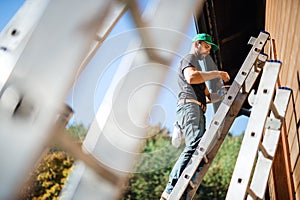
181,101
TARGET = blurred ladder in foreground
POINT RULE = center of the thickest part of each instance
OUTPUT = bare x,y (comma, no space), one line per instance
37,72
223,119
115,137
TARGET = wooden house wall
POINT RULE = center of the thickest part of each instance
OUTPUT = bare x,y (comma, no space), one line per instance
283,24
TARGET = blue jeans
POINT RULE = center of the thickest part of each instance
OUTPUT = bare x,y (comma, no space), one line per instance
191,119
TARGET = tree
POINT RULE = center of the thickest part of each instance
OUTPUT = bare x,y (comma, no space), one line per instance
48,179
50,174
217,179
151,174
152,170
77,131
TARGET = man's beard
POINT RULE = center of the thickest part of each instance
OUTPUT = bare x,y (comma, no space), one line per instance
202,56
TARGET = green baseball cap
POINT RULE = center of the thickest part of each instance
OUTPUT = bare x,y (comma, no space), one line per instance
206,38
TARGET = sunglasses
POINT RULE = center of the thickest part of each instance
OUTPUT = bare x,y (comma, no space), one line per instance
205,45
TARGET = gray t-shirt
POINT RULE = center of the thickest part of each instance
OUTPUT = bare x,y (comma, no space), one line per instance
186,90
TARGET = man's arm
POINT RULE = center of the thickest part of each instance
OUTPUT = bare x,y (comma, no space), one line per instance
193,76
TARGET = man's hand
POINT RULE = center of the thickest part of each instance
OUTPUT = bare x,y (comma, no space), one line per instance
224,76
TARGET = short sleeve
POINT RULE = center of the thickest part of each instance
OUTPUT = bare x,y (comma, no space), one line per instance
188,61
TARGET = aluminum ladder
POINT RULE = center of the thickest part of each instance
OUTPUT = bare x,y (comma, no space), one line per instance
261,137
223,119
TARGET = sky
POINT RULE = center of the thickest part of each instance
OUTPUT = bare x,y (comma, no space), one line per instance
89,90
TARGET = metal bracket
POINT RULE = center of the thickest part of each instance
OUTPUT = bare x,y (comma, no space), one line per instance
273,123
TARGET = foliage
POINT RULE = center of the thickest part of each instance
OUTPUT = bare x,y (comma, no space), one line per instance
153,168
149,184
151,172
50,175
77,131
217,179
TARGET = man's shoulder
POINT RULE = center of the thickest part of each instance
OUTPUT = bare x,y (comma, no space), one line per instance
190,56
190,59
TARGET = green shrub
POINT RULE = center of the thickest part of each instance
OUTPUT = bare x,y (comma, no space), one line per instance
149,184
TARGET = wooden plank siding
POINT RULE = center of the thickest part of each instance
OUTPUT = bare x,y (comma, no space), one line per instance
283,24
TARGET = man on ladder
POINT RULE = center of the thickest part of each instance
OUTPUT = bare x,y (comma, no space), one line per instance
192,102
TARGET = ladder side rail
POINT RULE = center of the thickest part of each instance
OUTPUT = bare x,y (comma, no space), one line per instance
15,35
270,143
39,82
229,119
207,140
115,12
248,151
153,38
81,176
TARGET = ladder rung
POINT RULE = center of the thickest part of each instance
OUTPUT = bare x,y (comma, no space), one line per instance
273,123
252,40
252,195
205,159
261,59
275,112
265,152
